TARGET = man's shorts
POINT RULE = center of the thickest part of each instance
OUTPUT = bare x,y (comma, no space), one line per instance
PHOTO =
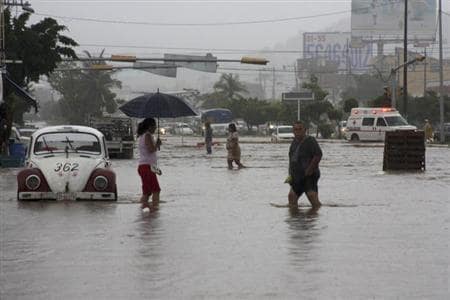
305,185
150,182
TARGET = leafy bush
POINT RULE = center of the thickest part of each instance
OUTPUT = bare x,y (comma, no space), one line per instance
326,130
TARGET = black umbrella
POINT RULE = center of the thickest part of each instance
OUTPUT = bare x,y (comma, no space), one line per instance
157,105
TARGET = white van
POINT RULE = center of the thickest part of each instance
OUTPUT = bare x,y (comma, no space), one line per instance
370,124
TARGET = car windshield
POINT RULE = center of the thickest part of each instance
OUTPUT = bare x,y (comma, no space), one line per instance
57,142
396,121
285,129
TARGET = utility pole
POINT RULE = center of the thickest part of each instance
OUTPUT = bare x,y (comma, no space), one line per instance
297,88
405,60
273,84
394,77
441,77
425,74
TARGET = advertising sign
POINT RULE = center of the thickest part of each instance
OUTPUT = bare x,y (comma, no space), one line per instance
383,19
334,46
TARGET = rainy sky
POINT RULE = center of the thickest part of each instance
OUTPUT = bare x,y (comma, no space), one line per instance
153,25
227,29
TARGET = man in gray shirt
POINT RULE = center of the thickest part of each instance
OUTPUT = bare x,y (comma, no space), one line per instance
304,157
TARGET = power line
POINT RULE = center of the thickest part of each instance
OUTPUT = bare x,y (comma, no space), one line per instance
287,19
230,50
195,24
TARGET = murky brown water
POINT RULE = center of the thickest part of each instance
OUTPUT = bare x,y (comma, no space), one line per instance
379,235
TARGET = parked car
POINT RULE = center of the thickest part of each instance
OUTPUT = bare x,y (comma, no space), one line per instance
26,131
183,129
220,129
67,163
282,133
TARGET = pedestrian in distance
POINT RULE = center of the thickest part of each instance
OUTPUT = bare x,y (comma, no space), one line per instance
234,151
428,129
304,157
208,137
148,163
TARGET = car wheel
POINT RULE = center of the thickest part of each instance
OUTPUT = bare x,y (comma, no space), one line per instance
354,137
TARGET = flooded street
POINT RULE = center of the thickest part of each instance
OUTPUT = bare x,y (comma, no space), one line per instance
379,235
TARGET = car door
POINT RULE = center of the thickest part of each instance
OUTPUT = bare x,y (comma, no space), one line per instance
368,129
381,128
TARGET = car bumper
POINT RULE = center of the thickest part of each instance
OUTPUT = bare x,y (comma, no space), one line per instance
66,196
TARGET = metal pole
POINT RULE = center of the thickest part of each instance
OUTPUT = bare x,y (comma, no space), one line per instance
405,59
394,88
425,74
441,77
273,84
298,110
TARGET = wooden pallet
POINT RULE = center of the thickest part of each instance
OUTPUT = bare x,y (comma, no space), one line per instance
404,150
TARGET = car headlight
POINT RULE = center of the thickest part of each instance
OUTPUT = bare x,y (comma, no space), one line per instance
100,183
32,182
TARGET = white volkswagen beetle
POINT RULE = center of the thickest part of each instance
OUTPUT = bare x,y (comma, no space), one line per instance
67,163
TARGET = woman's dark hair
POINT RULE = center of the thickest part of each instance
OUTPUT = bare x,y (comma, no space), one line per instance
145,125
232,127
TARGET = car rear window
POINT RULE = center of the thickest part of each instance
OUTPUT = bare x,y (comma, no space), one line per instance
284,129
67,142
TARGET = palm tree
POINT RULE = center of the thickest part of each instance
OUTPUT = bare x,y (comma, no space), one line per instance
96,87
230,86
84,92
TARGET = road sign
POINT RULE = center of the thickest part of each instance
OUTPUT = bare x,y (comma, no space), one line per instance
298,96
165,69
206,63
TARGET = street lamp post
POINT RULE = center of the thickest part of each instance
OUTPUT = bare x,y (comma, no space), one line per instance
441,78
405,58
394,80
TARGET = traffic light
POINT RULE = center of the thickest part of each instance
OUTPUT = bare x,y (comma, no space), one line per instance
123,58
400,91
254,60
387,92
387,97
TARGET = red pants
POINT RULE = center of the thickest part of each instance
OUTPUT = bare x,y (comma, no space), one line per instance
150,182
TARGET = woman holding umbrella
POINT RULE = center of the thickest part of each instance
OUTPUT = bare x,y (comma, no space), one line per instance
148,159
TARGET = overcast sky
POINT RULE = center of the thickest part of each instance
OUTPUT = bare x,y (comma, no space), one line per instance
245,36
150,28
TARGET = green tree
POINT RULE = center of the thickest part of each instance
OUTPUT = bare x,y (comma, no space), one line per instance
85,92
230,86
40,47
213,100
348,104
316,111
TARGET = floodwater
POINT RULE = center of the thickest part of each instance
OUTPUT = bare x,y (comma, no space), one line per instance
379,235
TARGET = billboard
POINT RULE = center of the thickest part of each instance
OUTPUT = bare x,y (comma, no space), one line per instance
334,46
383,19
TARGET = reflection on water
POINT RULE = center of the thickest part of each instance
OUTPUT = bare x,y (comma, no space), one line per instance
217,234
303,235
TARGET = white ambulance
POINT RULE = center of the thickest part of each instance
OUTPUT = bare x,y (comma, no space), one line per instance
370,124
